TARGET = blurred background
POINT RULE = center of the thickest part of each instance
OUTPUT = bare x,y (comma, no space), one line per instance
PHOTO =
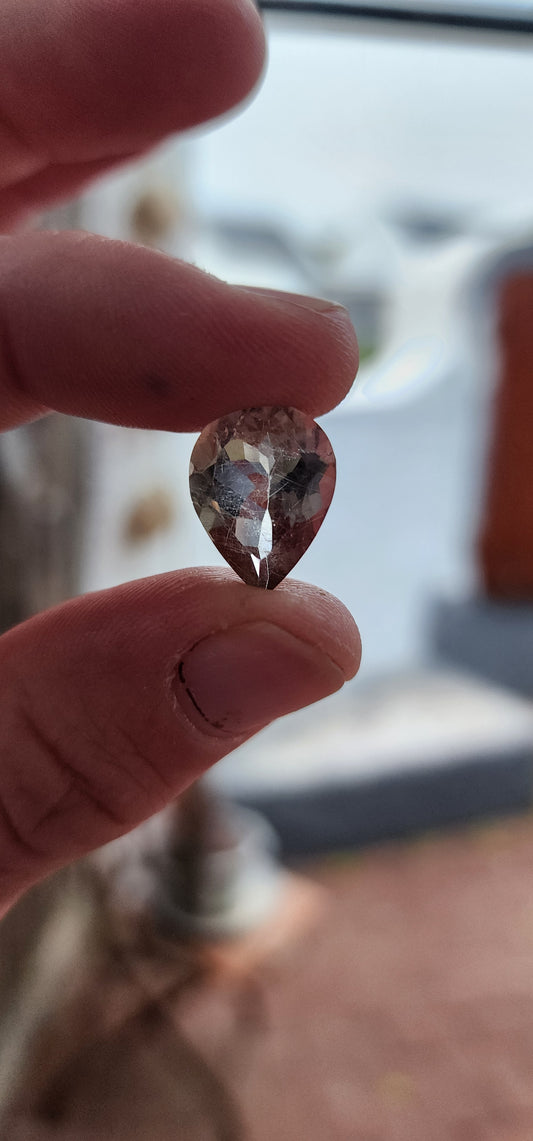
332,935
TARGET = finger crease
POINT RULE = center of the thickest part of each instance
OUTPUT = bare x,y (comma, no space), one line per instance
76,784
14,834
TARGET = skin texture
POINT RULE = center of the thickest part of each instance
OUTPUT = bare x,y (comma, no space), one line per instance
111,704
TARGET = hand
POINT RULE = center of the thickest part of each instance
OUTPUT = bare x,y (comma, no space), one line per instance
113,703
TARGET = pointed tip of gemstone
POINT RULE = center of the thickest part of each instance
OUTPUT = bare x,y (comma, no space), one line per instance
261,482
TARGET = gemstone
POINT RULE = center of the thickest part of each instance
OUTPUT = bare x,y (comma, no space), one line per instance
261,482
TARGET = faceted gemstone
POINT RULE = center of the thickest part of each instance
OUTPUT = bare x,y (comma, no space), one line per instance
261,482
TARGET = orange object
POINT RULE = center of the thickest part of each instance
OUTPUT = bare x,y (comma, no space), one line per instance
505,542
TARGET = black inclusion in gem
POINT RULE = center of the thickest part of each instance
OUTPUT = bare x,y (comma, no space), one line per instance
305,477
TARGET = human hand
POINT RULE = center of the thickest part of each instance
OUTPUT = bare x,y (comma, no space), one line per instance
113,703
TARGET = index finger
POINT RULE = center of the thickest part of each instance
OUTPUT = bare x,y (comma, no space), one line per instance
110,331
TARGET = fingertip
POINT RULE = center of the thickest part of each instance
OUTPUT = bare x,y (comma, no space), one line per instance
219,56
305,611
332,624
316,337
344,355
246,52
175,349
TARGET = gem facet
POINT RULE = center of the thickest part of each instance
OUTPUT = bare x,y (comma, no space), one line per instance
261,483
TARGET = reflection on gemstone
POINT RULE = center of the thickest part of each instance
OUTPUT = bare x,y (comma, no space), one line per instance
261,482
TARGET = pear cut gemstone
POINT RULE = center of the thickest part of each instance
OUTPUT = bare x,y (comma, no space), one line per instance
261,482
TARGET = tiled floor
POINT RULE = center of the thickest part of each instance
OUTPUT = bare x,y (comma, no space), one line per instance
407,1014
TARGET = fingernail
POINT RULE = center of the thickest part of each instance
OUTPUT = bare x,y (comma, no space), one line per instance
237,680
301,300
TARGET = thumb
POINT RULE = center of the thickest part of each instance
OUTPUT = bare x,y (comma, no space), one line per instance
114,702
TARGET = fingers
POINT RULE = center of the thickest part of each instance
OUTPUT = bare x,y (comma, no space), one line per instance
93,79
114,332
114,702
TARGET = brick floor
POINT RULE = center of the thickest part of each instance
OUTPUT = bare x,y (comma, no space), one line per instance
407,1014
